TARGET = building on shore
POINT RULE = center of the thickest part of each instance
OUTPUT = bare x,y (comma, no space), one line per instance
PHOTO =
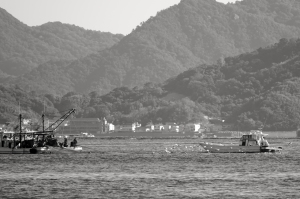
107,127
130,127
96,126
81,125
171,127
149,127
192,127
158,127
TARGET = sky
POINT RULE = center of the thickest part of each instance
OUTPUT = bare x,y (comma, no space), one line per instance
115,16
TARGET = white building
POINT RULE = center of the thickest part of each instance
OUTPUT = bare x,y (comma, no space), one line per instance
192,127
171,126
158,127
129,127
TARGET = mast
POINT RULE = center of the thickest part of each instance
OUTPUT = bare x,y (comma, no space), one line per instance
43,119
20,117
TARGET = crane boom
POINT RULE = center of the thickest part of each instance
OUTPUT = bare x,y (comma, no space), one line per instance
58,122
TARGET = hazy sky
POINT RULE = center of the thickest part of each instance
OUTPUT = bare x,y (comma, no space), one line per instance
115,16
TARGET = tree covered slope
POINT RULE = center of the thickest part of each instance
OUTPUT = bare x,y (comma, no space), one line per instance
181,37
259,88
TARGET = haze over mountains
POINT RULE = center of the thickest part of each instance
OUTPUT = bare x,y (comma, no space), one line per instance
23,48
197,49
183,36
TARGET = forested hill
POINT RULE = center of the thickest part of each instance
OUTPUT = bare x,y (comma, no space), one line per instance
14,100
180,37
23,48
260,88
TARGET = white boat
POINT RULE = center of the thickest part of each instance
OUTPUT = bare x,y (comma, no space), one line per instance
254,142
71,148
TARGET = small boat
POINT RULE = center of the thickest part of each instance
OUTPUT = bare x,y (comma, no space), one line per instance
52,146
51,149
71,148
254,142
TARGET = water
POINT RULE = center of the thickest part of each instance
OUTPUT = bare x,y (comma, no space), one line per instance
146,169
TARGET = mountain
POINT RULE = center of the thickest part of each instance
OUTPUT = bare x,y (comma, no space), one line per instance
23,48
78,41
181,37
259,88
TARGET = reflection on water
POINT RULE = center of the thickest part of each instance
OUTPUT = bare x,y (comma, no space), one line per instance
167,168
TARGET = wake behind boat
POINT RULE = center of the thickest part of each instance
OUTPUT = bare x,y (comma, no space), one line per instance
252,143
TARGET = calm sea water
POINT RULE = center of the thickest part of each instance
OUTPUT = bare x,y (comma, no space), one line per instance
158,168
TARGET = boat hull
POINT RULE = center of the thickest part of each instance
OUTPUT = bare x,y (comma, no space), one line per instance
75,149
6,150
222,148
56,150
40,150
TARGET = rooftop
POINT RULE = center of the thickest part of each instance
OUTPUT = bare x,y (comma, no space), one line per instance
85,120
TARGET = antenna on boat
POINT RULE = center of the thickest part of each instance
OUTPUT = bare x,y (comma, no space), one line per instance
265,121
43,117
44,107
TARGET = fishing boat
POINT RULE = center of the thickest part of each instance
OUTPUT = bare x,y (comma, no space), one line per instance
20,142
35,141
254,142
50,141
59,147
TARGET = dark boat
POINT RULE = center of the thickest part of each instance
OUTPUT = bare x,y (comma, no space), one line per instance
36,141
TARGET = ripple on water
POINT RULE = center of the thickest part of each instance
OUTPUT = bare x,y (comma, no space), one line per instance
143,169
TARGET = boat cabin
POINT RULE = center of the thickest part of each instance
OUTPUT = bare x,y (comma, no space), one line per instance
12,140
248,140
255,138
22,140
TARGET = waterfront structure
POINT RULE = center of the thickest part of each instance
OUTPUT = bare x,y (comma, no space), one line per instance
109,127
81,125
141,129
149,127
159,127
131,127
192,127
171,126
